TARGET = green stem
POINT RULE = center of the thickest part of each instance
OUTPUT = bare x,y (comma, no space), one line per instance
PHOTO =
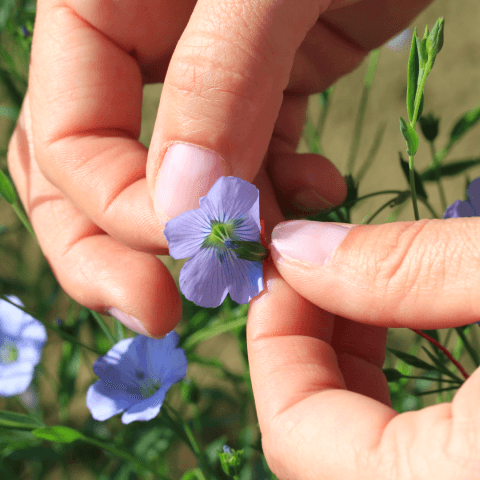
377,141
103,326
385,205
412,187
468,347
323,117
441,191
367,84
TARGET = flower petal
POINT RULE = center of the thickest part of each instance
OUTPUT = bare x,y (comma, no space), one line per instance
118,365
15,378
245,278
203,279
186,233
230,198
105,402
158,354
176,368
473,194
145,409
459,208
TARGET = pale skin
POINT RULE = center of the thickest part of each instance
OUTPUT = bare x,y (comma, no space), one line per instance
87,185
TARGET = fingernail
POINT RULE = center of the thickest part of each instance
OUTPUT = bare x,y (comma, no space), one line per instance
309,242
187,174
128,320
309,200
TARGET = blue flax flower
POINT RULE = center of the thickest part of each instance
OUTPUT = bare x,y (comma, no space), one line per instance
21,342
229,213
470,208
135,376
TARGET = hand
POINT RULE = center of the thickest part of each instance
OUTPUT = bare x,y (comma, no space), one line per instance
316,343
236,75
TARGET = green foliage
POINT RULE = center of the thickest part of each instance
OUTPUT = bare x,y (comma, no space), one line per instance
59,434
6,189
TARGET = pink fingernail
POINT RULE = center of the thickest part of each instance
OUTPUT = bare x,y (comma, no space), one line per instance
309,242
187,174
128,320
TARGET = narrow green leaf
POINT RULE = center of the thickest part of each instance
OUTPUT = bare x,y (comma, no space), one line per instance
19,421
410,136
464,124
392,374
412,76
434,42
449,170
59,434
213,331
411,360
447,389
418,181
441,366
433,334
6,189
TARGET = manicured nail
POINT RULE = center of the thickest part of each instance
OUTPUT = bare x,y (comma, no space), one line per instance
128,320
187,174
310,201
309,242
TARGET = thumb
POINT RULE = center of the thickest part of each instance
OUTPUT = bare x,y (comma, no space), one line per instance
421,274
222,95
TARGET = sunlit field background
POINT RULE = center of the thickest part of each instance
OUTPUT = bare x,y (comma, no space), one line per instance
216,399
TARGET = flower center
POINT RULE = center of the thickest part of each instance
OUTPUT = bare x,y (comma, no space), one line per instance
8,353
222,234
148,386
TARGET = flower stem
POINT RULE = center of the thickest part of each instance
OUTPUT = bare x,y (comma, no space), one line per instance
412,187
22,217
441,191
444,350
103,326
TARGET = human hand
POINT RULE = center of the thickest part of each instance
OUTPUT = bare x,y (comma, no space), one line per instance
316,344
239,76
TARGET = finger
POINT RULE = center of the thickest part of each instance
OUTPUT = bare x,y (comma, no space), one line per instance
300,388
222,95
86,96
314,425
94,269
409,274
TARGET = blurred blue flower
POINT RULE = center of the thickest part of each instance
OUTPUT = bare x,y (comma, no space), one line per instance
21,342
135,376
229,212
470,208
227,449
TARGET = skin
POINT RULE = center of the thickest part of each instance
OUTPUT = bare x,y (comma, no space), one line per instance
316,343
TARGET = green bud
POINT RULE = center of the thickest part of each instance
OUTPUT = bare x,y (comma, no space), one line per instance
253,251
435,39
231,462
429,125
410,137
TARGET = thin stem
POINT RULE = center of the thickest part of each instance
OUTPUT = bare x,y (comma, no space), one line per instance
385,205
103,326
441,191
323,117
412,187
377,141
443,349
367,84
468,347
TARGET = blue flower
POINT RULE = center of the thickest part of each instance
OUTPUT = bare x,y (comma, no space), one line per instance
229,213
21,342
470,208
135,376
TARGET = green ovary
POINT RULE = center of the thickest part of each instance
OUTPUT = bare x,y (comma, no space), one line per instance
221,232
8,353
